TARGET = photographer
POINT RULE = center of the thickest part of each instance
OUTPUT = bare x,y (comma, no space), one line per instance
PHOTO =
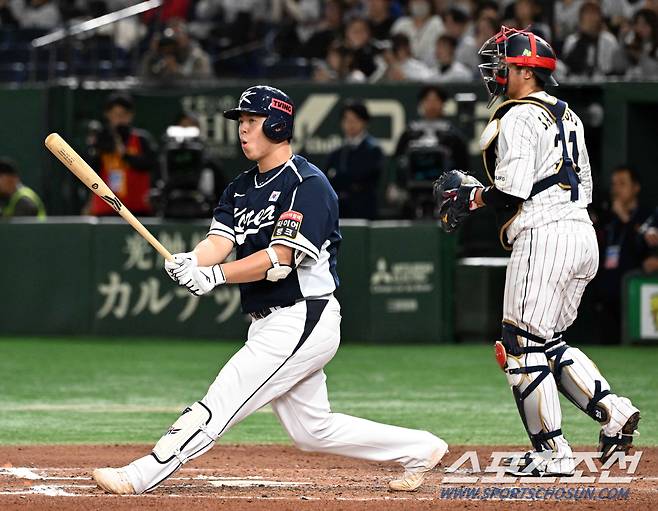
428,147
190,182
123,156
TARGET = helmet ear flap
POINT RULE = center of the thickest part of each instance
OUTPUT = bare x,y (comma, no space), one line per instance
276,131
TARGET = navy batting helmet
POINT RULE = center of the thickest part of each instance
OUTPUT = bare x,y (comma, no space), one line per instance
271,103
520,47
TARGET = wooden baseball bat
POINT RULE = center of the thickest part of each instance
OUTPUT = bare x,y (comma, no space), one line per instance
65,153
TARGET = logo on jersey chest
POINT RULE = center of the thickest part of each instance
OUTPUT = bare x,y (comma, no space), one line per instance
248,221
274,196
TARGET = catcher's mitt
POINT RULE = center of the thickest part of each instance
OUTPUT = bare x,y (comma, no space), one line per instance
453,196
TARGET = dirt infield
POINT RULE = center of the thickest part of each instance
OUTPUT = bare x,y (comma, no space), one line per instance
282,478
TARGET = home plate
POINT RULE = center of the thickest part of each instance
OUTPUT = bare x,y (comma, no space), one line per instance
246,483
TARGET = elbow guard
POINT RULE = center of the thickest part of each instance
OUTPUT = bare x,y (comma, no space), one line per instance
277,271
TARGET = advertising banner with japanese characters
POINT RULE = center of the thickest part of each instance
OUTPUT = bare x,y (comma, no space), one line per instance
134,295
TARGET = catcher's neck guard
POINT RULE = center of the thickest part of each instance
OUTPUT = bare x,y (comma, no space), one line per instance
512,46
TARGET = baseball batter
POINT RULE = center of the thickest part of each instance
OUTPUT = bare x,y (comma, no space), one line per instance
535,155
281,216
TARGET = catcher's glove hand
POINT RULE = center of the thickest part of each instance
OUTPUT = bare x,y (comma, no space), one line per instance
454,193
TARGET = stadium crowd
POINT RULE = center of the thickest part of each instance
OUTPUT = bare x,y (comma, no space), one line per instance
350,40
429,42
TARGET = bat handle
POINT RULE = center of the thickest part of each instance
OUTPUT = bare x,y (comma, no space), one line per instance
144,232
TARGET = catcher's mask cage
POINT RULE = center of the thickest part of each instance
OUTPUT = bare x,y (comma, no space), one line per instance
520,47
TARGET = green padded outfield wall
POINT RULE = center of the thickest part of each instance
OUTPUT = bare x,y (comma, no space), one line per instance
83,277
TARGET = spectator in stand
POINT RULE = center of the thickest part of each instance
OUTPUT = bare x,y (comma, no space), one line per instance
43,14
334,66
228,23
354,169
16,199
402,66
485,28
487,9
329,29
527,15
124,157
621,248
362,60
448,68
175,55
378,13
641,48
617,13
296,19
565,20
422,28
458,27
592,51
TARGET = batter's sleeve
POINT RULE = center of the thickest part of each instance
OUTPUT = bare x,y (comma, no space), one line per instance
222,222
517,145
309,213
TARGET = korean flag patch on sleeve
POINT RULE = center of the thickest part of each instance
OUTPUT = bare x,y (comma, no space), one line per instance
288,225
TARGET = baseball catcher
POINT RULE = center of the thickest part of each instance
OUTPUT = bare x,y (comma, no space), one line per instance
536,159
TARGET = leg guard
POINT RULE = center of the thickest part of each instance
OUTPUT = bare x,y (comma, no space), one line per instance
581,382
186,439
533,387
579,379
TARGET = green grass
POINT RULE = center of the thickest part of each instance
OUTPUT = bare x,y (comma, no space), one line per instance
93,390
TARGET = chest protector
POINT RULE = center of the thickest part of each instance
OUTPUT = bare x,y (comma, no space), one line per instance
566,175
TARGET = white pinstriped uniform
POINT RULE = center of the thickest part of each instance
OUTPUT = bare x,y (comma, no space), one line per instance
554,256
555,253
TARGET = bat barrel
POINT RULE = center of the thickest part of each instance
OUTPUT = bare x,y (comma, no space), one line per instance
72,160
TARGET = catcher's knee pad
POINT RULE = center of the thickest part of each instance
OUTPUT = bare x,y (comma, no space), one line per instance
510,349
187,438
579,379
521,356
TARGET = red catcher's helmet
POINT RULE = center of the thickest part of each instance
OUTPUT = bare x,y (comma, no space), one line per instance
520,47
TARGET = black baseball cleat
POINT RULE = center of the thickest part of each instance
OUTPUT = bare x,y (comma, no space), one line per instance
622,441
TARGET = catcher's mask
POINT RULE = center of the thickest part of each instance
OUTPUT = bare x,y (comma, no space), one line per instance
520,47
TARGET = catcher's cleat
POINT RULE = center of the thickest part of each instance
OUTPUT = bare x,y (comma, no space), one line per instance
516,460
539,464
411,480
113,480
622,441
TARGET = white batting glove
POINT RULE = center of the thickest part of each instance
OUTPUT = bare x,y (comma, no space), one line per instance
204,279
181,266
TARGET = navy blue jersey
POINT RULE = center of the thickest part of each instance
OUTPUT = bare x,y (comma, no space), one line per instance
292,205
